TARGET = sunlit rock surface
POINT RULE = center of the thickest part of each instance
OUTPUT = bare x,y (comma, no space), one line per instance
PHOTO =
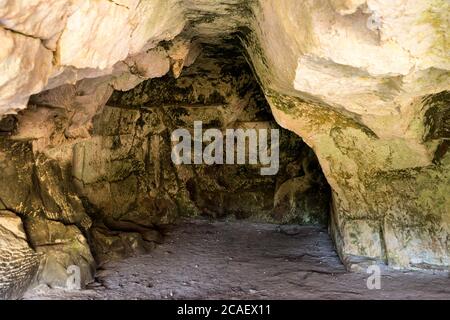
365,88
363,82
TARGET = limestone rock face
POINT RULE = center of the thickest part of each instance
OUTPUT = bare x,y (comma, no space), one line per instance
104,173
125,172
70,40
61,247
352,84
326,44
364,83
21,74
33,18
35,188
82,48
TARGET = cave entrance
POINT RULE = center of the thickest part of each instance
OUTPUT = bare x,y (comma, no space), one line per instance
220,91
222,221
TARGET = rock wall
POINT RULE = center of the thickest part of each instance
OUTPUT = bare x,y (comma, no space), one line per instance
220,91
19,263
363,82
107,189
41,223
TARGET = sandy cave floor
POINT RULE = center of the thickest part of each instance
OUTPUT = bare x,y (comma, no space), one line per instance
243,260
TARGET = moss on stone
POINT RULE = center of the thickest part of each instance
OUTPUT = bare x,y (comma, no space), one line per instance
438,16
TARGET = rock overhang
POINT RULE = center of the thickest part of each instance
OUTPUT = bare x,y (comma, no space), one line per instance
363,82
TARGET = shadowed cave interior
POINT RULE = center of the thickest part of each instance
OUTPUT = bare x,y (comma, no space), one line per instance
127,205
93,205
123,184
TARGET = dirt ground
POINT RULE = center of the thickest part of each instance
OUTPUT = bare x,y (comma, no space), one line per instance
243,260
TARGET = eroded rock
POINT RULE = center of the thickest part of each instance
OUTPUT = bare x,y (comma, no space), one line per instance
61,247
18,262
364,86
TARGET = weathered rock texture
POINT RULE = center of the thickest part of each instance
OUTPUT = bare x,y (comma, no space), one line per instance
36,191
363,82
19,262
219,90
106,186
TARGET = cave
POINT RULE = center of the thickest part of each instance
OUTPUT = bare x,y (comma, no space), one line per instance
234,150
